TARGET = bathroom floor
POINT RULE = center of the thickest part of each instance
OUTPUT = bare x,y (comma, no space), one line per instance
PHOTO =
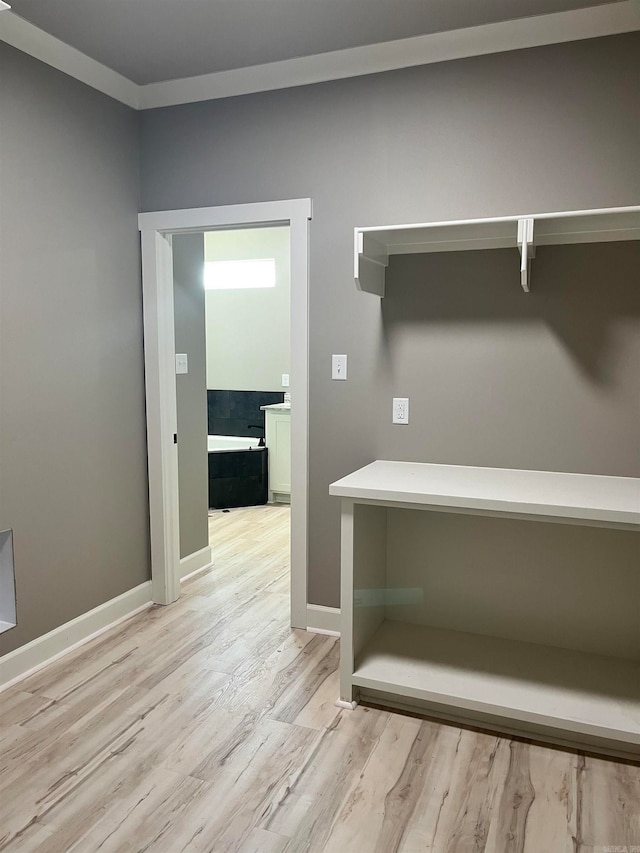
232,531
210,725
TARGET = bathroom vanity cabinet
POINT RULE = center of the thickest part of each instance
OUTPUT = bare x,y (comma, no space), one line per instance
466,595
278,439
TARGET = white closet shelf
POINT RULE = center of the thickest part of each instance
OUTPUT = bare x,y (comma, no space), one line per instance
375,245
575,692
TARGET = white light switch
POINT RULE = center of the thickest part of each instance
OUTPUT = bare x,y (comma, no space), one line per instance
285,380
400,410
338,367
182,362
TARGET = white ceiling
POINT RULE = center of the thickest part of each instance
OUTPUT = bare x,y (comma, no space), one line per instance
148,41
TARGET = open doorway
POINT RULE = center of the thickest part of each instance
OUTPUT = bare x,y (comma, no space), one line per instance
158,233
232,297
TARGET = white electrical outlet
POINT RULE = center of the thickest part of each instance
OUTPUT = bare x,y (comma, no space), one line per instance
285,380
338,367
400,410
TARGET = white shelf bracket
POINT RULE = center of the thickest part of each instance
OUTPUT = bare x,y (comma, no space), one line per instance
527,251
371,261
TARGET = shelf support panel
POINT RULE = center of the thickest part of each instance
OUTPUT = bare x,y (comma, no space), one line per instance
527,249
371,262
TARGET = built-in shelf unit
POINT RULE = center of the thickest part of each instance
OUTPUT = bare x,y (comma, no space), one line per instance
496,677
375,245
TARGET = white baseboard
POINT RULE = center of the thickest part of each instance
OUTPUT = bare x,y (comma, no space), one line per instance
323,620
343,703
195,563
42,651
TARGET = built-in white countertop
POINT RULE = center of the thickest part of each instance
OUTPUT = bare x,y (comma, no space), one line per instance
276,407
590,497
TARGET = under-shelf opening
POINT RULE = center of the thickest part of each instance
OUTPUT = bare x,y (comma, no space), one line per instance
567,586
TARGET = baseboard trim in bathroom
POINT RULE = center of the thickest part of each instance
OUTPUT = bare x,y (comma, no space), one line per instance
195,563
44,650
323,620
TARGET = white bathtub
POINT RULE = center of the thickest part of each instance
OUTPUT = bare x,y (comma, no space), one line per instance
220,443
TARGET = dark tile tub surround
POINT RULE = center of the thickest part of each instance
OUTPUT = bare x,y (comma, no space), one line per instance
238,412
238,478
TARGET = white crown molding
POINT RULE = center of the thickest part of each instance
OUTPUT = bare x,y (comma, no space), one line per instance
597,21
610,19
24,36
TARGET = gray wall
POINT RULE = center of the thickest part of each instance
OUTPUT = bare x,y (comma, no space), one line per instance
248,330
552,376
191,391
72,432
501,378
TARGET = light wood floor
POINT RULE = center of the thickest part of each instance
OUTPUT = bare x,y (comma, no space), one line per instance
209,725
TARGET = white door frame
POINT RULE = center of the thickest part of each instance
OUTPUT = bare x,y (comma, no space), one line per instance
160,380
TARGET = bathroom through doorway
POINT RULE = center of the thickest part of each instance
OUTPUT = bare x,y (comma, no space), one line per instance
232,295
164,361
